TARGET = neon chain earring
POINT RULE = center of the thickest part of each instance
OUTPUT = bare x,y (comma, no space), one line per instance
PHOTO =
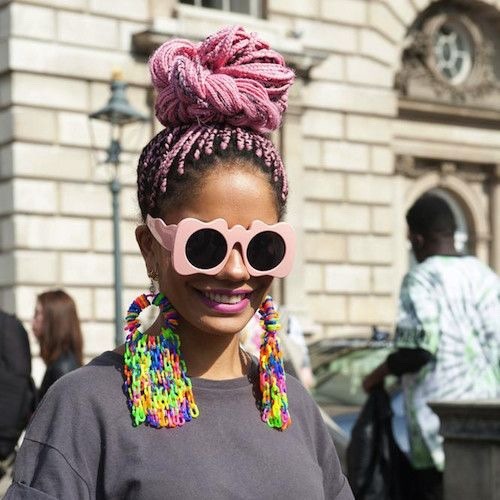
272,379
159,392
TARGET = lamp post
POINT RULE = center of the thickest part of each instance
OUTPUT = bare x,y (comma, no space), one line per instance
118,113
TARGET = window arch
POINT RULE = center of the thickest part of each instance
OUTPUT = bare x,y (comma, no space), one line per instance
470,204
464,232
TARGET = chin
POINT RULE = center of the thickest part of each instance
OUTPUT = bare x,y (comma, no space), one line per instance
225,325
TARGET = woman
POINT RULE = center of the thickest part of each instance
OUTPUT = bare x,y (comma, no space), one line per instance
197,418
57,328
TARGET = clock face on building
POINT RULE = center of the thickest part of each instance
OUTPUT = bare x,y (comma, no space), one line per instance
453,50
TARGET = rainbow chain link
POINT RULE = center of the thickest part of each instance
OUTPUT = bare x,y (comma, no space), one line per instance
274,409
159,392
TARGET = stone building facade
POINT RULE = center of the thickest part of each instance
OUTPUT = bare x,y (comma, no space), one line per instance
393,98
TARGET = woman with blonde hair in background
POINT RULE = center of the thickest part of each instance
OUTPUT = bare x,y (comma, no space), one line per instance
57,329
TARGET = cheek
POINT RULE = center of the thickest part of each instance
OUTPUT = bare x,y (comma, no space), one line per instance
171,284
36,326
263,286
163,263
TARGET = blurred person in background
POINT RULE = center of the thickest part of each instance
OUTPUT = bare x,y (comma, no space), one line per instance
57,329
447,335
17,391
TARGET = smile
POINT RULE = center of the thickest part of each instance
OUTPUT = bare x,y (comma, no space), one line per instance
223,298
226,301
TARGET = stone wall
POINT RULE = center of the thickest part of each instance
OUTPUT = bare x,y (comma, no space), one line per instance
348,165
55,209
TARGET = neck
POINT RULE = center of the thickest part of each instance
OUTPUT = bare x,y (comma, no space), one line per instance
212,356
441,247
215,357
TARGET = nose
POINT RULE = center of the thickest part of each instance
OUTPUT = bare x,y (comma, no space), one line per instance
234,269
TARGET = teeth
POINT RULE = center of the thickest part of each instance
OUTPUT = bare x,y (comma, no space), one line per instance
224,299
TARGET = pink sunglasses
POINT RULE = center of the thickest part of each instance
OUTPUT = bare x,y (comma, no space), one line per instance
204,247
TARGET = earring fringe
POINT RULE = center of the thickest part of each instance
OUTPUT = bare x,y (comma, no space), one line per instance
274,408
159,392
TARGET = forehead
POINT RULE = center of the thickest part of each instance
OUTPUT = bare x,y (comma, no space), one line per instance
237,195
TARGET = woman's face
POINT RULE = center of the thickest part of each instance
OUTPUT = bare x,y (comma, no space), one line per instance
37,324
238,196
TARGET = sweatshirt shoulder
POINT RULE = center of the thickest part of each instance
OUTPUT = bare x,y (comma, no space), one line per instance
300,400
101,376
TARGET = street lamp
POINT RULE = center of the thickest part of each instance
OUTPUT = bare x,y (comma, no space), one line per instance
118,113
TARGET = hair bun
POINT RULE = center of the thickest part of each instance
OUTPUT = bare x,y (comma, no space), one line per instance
231,77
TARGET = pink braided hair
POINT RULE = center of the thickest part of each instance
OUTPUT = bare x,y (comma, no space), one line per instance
232,77
222,94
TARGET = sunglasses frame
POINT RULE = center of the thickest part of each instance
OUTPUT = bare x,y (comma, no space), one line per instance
173,237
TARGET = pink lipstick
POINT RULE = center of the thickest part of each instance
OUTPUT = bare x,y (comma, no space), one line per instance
226,301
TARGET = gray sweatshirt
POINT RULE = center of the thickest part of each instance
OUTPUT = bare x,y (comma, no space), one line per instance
81,445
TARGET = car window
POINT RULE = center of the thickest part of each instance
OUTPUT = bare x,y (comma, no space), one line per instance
339,381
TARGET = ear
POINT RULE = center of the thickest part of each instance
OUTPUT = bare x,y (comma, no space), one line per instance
419,241
148,245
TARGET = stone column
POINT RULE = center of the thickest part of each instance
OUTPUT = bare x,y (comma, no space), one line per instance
161,8
293,293
495,220
471,431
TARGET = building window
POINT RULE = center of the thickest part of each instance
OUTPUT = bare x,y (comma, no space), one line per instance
453,51
249,7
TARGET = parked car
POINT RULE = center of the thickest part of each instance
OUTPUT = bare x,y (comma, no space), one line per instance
339,366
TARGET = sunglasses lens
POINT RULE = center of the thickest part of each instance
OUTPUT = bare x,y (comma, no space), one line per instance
266,250
206,248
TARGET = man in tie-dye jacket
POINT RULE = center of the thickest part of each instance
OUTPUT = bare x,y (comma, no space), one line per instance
447,335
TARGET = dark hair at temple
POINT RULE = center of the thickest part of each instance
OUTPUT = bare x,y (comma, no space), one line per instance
431,215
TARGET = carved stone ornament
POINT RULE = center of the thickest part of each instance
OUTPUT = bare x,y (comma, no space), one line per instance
448,168
413,167
405,165
449,55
